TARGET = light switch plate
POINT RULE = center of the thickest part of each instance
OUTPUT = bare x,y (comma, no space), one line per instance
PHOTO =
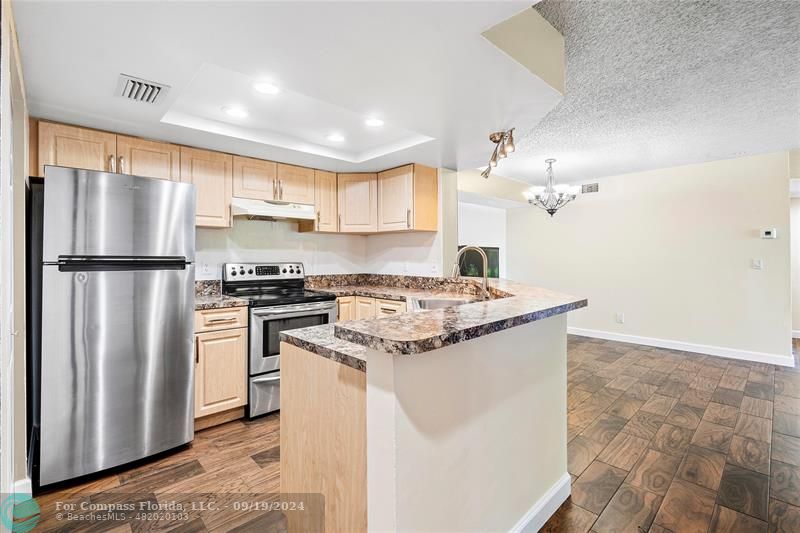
757,264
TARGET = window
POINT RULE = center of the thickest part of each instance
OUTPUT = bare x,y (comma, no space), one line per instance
472,264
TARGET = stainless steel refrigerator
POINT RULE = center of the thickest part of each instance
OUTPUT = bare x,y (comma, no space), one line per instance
115,321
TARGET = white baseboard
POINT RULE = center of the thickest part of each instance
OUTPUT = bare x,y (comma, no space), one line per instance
796,333
543,509
23,487
743,355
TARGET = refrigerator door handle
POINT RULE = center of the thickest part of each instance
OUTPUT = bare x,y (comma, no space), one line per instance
87,263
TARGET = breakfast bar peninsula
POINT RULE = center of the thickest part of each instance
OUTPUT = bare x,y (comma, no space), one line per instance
448,416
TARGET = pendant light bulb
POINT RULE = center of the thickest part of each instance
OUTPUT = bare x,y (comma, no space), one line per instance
493,160
509,144
486,172
501,150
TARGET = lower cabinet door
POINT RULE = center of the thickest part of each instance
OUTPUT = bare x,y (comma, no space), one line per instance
221,371
365,307
346,306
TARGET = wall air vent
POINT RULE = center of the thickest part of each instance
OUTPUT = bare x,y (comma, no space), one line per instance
140,90
590,187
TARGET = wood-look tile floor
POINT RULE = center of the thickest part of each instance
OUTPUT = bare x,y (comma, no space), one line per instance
667,441
240,457
659,441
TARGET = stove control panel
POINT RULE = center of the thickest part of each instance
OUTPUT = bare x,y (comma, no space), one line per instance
262,271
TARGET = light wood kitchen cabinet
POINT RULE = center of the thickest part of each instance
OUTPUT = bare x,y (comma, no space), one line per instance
255,179
346,308
224,318
72,146
325,201
151,159
220,371
358,203
408,199
212,175
295,184
389,307
365,307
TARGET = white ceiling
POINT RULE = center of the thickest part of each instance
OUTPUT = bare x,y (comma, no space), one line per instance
286,119
653,84
422,67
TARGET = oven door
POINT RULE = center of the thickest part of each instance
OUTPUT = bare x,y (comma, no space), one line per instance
266,323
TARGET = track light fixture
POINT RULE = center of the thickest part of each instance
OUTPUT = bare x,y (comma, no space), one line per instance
504,145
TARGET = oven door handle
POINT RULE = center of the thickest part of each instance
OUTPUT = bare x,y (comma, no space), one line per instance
323,309
265,380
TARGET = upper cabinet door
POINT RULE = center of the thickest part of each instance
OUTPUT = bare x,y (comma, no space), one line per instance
396,199
150,159
295,184
358,203
70,146
426,199
325,201
254,178
212,175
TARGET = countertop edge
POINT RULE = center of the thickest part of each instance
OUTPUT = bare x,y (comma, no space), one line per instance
218,301
417,346
324,351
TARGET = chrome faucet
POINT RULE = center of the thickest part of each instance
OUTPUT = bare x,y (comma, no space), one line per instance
456,273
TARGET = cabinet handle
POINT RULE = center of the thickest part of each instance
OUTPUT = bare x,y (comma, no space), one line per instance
387,310
112,163
340,222
274,189
196,350
217,320
280,188
318,218
121,165
408,218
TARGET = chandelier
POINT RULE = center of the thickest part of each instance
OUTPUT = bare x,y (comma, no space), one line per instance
504,145
551,197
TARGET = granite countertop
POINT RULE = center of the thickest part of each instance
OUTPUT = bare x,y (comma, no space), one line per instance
512,304
217,301
385,292
423,331
321,341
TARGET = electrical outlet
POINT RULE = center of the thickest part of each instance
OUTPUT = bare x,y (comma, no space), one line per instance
205,269
757,264
620,318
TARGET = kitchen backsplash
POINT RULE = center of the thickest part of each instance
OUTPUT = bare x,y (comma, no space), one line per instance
250,241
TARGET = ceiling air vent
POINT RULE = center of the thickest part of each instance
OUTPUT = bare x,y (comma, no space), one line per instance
590,187
140,90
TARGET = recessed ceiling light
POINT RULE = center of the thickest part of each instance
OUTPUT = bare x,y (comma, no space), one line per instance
234,111
265,87
373,122
336,138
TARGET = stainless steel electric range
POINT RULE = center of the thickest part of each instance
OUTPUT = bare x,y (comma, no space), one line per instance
278,302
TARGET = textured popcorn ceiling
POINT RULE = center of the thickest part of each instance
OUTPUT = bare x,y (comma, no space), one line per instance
653,84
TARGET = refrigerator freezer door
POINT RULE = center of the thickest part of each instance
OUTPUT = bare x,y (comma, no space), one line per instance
117,367
88,213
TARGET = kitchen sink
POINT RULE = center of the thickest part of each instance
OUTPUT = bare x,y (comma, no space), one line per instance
439,303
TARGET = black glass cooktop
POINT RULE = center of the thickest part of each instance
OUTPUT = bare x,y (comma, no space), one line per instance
262,298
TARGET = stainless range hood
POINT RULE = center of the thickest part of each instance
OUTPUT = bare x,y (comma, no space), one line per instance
271,210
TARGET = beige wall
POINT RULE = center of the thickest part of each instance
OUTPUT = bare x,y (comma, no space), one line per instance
470,437
14,158
530,40
795,246
671,248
